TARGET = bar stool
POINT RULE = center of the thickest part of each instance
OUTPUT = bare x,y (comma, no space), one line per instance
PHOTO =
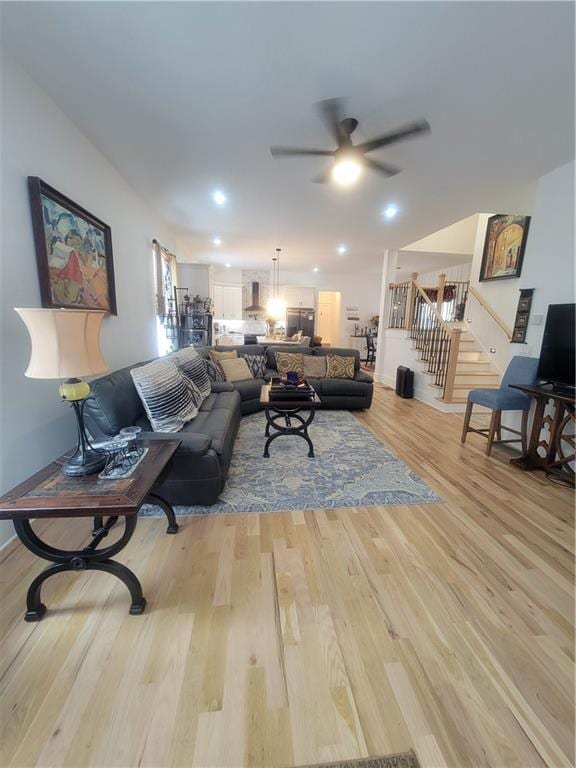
520,370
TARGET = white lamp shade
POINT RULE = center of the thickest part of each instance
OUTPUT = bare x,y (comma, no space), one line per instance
65,343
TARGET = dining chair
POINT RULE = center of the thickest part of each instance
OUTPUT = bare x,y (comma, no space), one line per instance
520,370
370,350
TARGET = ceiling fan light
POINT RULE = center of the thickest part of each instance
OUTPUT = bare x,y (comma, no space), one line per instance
346,172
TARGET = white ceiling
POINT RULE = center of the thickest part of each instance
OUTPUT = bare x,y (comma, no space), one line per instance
185,97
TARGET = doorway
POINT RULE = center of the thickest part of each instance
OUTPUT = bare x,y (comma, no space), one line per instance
328,322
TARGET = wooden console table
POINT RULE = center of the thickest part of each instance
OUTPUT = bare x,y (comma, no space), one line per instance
50,493
552,444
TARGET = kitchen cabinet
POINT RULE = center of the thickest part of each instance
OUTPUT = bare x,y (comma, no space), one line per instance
227,302
298,296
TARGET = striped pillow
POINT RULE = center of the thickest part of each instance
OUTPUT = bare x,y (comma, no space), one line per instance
194,368
169,398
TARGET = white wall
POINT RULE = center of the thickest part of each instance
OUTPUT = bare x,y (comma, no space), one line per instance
457,238
549,258
39,140
548,265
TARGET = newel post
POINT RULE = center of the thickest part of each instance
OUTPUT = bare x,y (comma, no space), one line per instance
452,363
440,298
410,300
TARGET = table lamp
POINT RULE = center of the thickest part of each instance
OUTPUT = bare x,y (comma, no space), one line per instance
66,345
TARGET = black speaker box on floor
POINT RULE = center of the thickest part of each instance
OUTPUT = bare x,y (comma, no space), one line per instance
404,382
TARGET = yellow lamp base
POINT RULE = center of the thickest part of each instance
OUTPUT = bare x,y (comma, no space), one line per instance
74,390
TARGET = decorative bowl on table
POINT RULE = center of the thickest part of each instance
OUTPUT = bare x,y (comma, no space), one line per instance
292,379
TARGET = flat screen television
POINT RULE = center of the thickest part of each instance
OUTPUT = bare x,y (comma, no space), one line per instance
557,354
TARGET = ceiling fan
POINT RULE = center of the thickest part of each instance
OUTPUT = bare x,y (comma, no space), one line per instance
351,158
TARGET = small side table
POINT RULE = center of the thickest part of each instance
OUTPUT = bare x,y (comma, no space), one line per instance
552,444
50,493
285,411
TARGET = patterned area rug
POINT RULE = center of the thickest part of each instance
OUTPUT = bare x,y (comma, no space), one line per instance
351,468
405,760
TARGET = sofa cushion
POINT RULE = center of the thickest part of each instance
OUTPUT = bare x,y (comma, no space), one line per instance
193,366
273,348
170,399
220,424
242,349
228,399
113,404
343,351
289,361
236,369
314,367
257,365
339,367
345,387
249,389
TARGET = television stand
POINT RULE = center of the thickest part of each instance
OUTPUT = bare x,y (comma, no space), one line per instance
552,449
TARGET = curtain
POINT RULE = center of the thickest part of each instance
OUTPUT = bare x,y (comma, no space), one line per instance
165,279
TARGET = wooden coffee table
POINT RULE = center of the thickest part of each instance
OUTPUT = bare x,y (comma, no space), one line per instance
50,493
288,411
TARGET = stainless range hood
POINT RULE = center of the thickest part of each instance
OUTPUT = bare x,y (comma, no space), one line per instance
255,306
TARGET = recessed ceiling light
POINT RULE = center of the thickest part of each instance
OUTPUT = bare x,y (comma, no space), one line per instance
390,211
219,197
217,241
315,269
342,249
227,265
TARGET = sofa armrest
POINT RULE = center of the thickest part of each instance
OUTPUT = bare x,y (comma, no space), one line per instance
362,376
195,444
221,386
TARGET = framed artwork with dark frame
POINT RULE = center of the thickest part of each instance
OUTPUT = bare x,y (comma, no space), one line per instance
504,247
73,252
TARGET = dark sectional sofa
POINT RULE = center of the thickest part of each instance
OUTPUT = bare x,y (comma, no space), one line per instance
199,468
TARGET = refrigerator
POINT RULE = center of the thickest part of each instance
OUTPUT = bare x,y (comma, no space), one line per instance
300,319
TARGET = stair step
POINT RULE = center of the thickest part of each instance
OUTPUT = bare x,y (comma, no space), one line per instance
471,356
471,366
474,374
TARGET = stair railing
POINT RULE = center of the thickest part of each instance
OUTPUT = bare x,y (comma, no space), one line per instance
436,340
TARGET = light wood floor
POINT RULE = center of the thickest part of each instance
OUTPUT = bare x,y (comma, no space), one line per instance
289,639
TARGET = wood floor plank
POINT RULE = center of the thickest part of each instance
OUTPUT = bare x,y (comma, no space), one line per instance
283,639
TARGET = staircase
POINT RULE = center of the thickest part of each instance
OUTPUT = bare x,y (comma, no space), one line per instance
473,371
451,357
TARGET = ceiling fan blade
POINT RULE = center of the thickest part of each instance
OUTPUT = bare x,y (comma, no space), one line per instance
411,129
332,114
299,152
387,170
324,177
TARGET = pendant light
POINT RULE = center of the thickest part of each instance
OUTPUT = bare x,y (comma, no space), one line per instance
276,306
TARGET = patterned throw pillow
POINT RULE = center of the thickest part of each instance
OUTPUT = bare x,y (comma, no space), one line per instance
194,368
289,361
169,398
339,367
214,371
257,364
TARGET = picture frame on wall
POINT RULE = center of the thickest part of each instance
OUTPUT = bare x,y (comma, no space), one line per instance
504,247
73,252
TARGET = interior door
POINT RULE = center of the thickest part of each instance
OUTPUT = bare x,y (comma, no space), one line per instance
328,320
